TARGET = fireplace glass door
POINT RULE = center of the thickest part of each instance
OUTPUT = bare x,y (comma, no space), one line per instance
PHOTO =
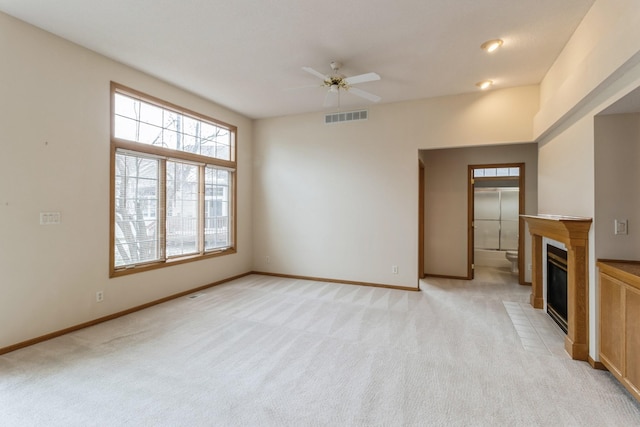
557,285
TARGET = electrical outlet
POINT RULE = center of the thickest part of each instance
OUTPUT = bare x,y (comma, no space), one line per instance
268,259
99,296
529,267
394,269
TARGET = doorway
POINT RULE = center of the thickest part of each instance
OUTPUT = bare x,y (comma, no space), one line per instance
496,232
420,220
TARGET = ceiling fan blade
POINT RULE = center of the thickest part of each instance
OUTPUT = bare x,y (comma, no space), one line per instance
362,78
318,74
363,94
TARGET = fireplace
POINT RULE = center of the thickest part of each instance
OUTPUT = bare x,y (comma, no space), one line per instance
573,233
557,285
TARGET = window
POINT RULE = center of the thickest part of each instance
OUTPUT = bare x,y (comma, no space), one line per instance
173,184
496,172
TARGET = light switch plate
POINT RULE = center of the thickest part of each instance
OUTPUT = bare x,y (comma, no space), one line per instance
620,226
49,218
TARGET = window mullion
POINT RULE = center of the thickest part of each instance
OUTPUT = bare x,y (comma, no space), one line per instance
162,208
201,210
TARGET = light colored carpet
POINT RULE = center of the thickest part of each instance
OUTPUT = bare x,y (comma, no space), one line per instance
271,351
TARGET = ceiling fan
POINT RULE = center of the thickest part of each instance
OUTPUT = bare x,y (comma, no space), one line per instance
336,82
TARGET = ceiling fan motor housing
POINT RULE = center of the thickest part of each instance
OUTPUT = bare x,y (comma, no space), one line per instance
336,81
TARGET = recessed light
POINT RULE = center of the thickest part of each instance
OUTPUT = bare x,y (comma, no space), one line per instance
485,84
491,45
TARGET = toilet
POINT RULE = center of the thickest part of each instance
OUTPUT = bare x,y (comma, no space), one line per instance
512,256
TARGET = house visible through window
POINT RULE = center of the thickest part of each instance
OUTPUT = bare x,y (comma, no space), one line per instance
173,186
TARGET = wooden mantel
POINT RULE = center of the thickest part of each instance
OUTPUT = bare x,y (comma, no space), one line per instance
574,233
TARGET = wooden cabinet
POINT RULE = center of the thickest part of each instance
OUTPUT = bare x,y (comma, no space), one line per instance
619,321
611,318
632,339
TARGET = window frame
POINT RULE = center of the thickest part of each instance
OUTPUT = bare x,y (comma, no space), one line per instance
168,154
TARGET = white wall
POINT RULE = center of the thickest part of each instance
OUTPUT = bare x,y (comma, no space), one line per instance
566,172
598,66
341,201
600,51
617,176
446,201
54,117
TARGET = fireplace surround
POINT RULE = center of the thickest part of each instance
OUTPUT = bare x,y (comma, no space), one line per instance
573,232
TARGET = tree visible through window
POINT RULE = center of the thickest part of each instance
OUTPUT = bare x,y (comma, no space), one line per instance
173,192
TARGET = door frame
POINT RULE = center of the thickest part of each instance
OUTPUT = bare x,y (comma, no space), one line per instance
421,237
470,214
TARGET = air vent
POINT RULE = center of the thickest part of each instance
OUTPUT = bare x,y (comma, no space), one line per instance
348,116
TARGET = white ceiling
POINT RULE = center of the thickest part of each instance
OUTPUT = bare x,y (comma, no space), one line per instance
248,54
